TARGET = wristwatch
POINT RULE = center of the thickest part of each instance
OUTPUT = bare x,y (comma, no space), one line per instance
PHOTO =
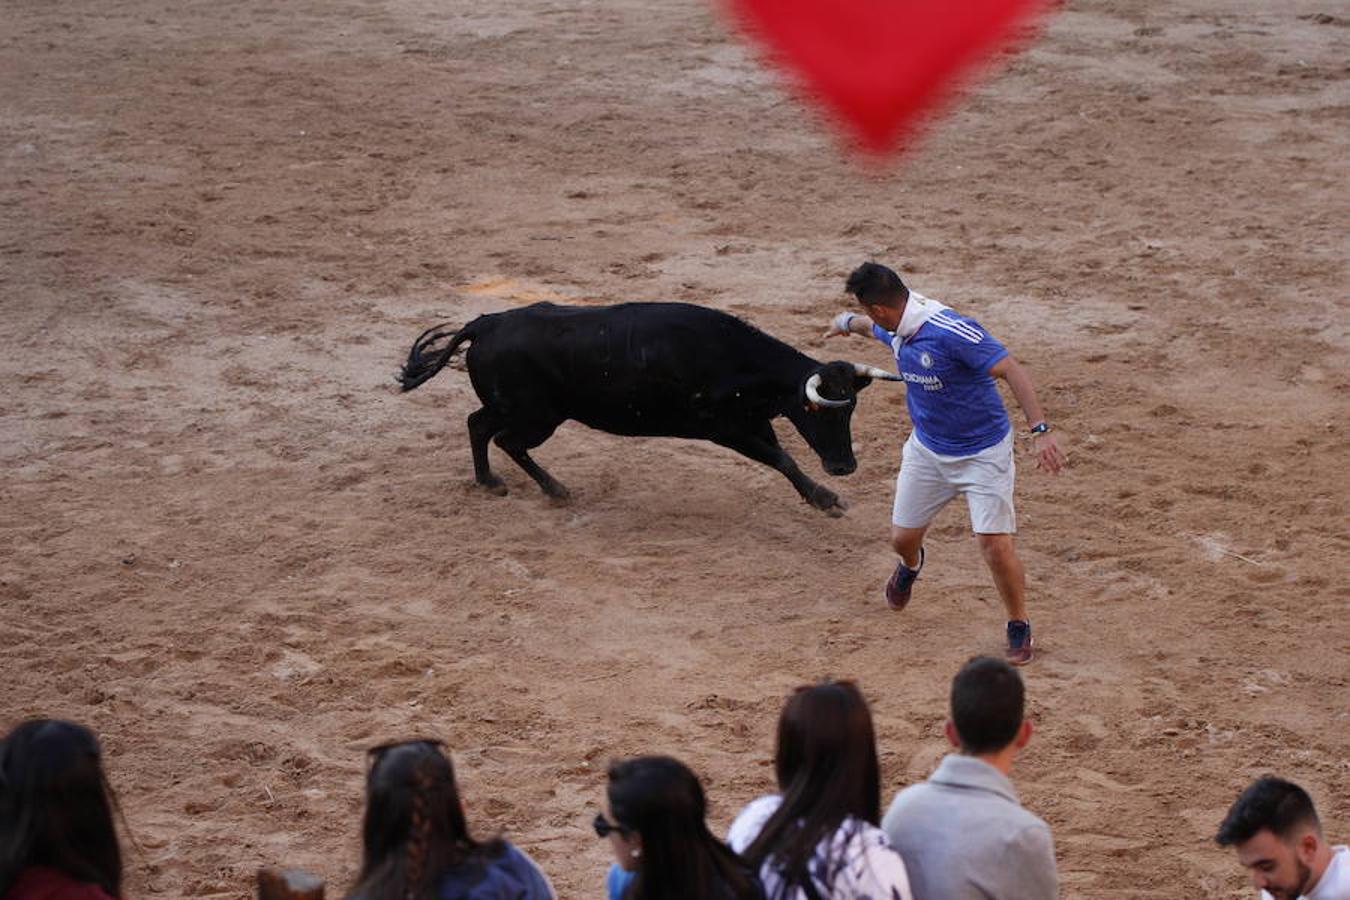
1040,428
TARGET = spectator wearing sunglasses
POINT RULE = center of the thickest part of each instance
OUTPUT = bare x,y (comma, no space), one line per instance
655,819
417,842
57,839
819,836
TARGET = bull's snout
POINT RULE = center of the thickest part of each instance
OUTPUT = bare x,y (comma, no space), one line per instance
842,467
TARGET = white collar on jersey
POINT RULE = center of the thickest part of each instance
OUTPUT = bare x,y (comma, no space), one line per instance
918,309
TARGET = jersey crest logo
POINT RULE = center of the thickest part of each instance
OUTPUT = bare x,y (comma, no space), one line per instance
926,360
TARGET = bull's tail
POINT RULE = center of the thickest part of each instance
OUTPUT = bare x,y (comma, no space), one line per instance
424,361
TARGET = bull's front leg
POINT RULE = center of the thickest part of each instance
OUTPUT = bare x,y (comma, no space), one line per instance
762,446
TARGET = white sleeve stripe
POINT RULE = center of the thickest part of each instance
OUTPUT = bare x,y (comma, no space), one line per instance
964,329
956,325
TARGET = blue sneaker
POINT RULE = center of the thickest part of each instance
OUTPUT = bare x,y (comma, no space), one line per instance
901,583
1019,651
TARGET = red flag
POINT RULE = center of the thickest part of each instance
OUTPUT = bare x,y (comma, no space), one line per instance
877,64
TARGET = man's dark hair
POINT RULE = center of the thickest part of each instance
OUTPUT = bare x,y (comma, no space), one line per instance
1271,803
874,283
987,704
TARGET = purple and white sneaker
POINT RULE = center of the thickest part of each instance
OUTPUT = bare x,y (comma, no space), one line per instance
1019,651
901,583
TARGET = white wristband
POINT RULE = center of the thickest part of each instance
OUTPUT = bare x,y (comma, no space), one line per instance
842,322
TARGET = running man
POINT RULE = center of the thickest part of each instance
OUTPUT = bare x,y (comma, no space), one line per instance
962,439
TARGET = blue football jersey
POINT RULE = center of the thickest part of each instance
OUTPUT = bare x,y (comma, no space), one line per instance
953,402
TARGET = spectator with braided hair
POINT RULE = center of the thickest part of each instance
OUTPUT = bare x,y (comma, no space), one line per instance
656,822
417,842
57,839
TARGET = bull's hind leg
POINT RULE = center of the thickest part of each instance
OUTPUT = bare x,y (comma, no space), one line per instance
484,424
517,440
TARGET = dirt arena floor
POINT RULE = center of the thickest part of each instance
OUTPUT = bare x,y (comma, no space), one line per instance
232,547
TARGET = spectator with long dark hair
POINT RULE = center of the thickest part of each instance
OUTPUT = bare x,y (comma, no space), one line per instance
818,837
57,838
417,842
655,819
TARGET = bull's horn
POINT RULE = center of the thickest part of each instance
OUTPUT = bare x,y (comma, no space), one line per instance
874,372
813,393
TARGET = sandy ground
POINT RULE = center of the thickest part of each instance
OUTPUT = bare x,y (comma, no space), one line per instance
235,550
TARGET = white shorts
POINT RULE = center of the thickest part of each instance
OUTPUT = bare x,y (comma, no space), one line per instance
929,481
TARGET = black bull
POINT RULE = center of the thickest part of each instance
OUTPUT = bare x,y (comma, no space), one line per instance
655,369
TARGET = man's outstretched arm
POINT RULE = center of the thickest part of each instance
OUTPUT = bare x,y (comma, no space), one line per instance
847,323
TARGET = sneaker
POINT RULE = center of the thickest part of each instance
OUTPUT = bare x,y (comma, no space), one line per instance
901,583
1019,651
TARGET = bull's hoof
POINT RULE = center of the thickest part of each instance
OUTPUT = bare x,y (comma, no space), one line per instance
496,487
827,501
558,494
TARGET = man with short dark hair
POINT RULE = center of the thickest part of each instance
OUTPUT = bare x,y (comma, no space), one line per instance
963,834
1278,838
962,440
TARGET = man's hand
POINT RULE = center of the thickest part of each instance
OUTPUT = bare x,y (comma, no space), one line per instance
839,325
1047,452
